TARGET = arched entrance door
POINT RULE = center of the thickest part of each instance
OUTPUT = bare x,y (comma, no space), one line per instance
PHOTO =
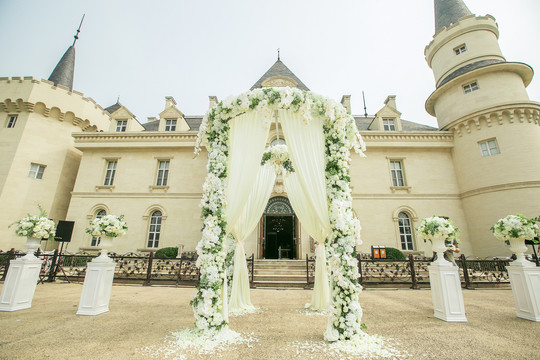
279,230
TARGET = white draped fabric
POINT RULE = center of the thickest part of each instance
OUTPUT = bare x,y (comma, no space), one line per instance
250,216
306,188
248,135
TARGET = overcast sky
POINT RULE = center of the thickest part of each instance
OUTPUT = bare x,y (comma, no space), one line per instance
143,51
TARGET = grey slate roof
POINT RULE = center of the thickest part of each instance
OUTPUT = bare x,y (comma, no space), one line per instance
113,107
362,123
467,68
448,12
151,126
279,69
63,72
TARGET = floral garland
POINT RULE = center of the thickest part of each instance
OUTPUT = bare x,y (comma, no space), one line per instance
437,226
39,227
516,226
341,135
108,225
278,157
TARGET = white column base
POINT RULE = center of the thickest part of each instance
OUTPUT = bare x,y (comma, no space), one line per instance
20,284
97,287
525,282
446,293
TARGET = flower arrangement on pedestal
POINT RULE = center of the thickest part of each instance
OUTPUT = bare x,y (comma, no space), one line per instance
278,157
107,227
441,232
515,229
34,228
341,135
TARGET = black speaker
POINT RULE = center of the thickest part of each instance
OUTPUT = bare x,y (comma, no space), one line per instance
64,230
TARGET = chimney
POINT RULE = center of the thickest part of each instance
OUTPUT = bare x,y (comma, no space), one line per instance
346,102
169,101
212,101
391,101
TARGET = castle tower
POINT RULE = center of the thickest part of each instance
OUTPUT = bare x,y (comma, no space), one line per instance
482,99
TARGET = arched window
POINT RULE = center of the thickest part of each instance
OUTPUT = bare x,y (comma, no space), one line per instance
405,231
97,239
154,229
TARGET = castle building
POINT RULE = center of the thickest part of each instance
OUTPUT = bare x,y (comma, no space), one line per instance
80,161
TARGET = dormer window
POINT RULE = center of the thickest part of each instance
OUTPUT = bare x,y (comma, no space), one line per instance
389,125
170,125
121,125
470,87
460,49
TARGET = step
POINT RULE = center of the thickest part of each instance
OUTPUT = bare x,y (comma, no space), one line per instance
280,278
280,271
280,284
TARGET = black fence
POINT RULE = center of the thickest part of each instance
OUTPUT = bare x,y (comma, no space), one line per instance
147,269
413,272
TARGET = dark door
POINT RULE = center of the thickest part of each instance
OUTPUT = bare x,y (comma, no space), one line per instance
279,237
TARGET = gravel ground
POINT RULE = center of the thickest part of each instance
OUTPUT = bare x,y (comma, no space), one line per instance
142,317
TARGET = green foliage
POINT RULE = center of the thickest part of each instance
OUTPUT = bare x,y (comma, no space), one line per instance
168,252
393,253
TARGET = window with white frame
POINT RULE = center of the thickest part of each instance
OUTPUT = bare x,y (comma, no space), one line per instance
121,125
489,147
36,171
162,173
470,87
12,120
389,125
110,172
170,125
96,240
405,231
396,169
460,49
154,229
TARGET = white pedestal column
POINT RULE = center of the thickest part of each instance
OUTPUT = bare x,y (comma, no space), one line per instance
446,292
20,284
525,283
97,287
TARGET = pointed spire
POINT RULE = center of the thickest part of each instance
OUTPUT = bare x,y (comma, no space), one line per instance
448,12
279,70
64,70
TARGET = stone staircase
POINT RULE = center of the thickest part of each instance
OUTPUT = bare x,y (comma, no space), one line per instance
280,273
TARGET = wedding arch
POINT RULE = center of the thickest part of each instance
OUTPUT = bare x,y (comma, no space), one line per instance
319,135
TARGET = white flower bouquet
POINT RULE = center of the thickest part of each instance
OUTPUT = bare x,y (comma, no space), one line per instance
436,226
108,225
516,227
278,157
39,227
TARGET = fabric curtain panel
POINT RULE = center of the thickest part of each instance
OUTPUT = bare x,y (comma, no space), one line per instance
253,209
306,188
248,136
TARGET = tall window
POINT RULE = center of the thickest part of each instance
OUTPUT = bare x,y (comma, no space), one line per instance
97,239
396,168
36,171
110,172
389,125
489,147
470,87
460,49
170,125
405,231
163,173
154,230
12,120
121,125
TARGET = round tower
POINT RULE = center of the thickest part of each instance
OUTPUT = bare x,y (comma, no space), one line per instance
482,99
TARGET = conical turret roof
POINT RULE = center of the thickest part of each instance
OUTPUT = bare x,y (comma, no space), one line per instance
448,12
64,70
279,70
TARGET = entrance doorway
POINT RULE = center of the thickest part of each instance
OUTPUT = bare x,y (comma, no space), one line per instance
279,230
